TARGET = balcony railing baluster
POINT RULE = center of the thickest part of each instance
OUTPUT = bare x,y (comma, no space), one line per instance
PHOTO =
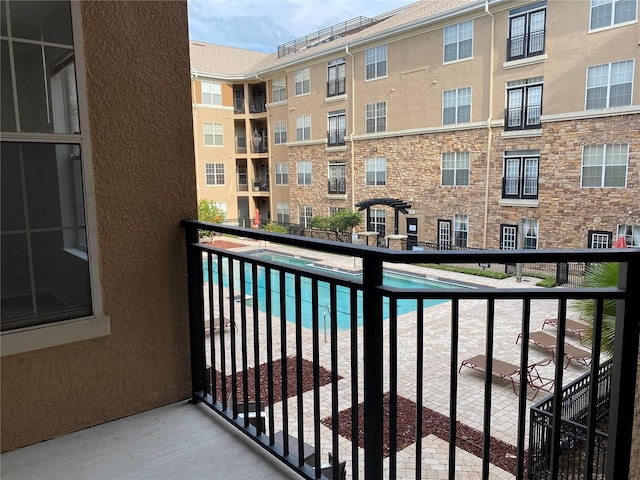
262,291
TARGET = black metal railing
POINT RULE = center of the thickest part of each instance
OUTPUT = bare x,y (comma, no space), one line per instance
575,414
335,87
278,350
335,137
522,117
520,187
523,46
260,186
337,186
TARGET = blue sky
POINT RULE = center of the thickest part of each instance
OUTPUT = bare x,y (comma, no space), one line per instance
263,25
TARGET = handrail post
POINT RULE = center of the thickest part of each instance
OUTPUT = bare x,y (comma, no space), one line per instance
196,325
624,371
373,367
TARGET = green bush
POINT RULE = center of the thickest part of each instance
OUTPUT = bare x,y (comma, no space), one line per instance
274,227
208,211
340,223
547,282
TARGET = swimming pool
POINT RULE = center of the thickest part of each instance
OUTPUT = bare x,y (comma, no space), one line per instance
343,301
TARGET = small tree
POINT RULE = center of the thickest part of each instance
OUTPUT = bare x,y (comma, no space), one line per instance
340,223
275,228
209,211
600,275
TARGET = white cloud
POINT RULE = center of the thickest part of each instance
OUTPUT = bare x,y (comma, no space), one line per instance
264,25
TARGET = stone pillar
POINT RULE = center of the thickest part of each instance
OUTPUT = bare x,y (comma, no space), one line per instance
396,241
369,238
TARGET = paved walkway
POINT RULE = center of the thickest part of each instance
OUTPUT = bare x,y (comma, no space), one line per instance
435,375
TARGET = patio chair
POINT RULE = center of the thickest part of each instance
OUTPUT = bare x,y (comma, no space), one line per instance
508,371
573,326
571,352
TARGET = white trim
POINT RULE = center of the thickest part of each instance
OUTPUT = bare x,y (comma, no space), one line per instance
593,113
208,106
521,62
534,132
277,104
518,202
53,334
336,98
614,25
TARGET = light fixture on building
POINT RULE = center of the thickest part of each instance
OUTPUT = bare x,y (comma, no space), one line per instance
257,138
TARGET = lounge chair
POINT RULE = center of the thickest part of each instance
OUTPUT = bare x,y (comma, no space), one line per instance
573,326
511,372
571,352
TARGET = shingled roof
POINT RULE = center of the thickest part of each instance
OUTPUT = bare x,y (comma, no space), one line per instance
228,61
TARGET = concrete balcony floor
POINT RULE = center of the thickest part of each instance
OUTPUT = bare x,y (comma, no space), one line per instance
176,441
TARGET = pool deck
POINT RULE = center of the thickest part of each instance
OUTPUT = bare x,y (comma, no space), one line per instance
435,375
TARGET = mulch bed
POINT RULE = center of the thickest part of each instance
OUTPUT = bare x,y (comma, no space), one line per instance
307,380
469,439
224,244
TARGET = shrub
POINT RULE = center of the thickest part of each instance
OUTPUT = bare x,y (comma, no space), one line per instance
208,211
274,227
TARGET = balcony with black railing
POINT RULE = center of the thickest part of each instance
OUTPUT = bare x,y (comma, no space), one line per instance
279,334
522,118
523,46
337,186
335,137
522,187
335,87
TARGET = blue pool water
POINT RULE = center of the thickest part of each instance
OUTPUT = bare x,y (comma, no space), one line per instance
343,300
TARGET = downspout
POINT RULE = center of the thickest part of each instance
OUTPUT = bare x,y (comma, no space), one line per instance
353,126
489,133
257,206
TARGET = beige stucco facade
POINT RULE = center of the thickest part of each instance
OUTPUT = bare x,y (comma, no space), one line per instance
415,136
142,185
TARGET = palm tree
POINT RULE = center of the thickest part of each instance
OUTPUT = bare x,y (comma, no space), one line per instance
600,275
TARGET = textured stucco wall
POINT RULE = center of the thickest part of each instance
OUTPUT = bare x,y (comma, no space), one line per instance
141,134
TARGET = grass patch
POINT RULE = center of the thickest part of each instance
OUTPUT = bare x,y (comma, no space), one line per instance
468,271
547,282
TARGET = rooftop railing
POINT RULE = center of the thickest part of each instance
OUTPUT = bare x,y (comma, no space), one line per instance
307,355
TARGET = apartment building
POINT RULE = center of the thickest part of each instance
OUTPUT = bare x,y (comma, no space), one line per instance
494,124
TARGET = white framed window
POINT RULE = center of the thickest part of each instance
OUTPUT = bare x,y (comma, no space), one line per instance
282,213
455,169
456,106
304,172
337,178
376,62
599,239
605,13
375,117
376,171
280,132
302,81
527,31
303,128
460,230
378,223
279,89
214,174
530,233
334,210
605,165
336,76
520,174
213,135
336,127
524,104
458,41
49,271
609,84
243,180
305,214
282,174
211,93
631,234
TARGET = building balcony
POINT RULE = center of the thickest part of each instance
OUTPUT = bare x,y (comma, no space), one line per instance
335,137
260,186
523,46
522,118
337,186
278,335
520,187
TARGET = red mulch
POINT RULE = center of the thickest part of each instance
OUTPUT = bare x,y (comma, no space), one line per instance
307,380
224,244
469,439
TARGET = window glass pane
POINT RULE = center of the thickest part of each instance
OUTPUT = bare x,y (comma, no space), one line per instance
41,20
625,11
601,14
596,98
42,278
8,116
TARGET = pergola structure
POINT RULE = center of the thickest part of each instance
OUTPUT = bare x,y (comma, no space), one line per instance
396,204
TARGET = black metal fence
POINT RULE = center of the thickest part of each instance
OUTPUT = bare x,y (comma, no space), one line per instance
278,350
573,427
